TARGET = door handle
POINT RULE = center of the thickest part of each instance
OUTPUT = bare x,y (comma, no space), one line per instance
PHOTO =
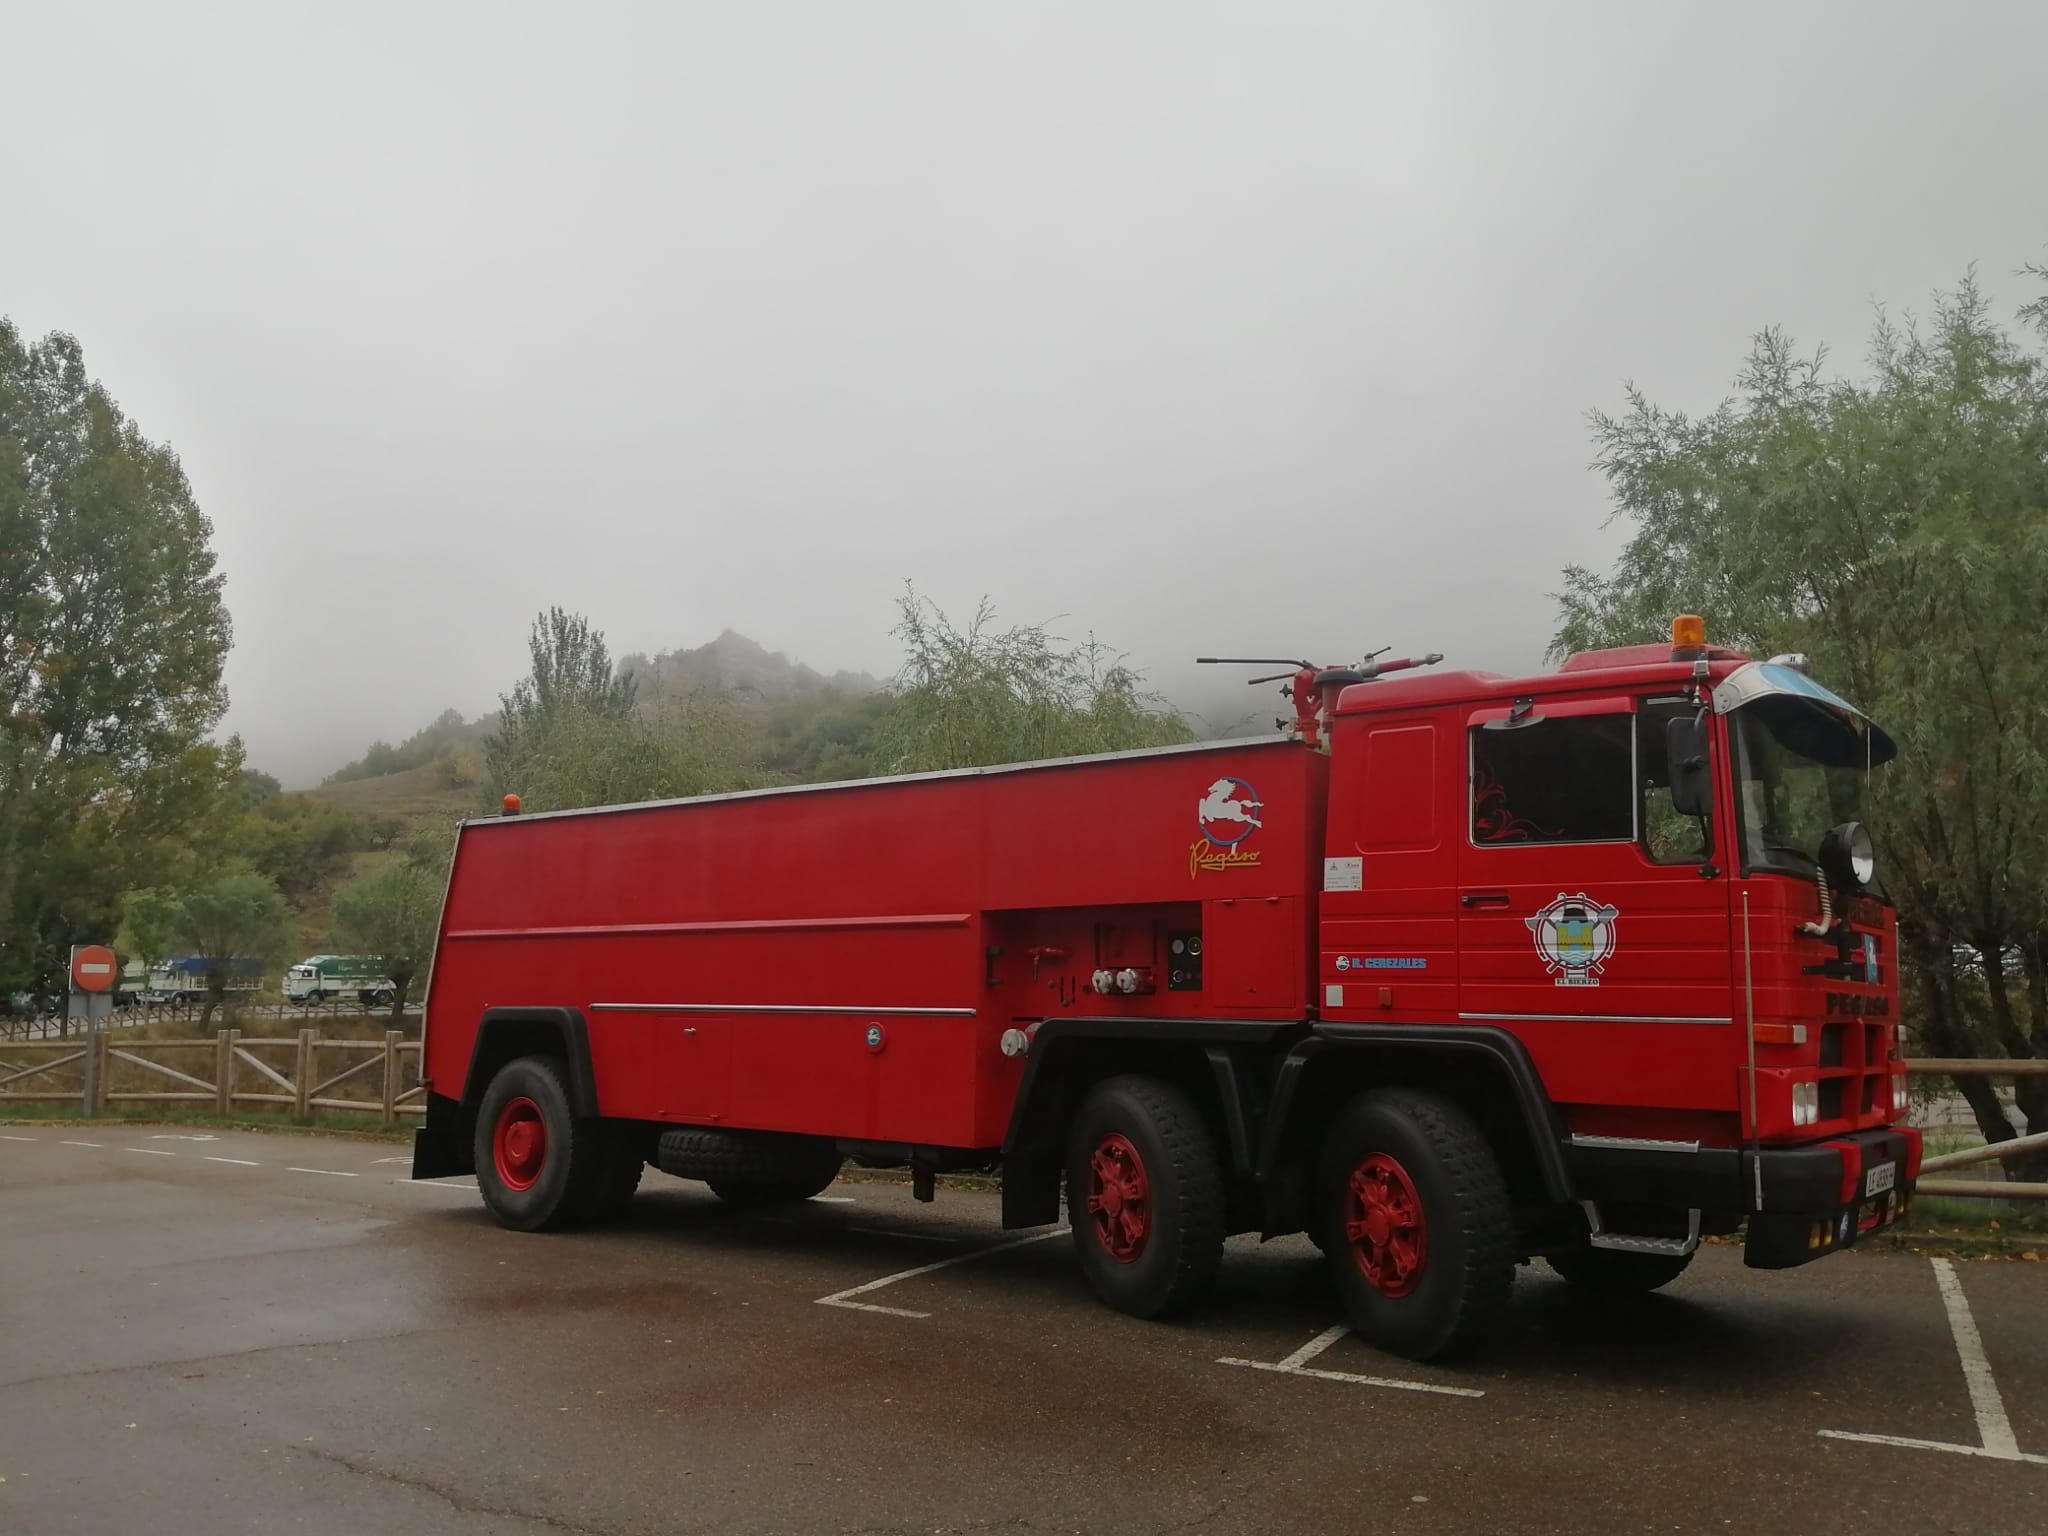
1484,899
690,1029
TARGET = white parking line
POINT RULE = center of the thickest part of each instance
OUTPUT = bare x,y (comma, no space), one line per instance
331,1173
1296,1364
460,1186
150,1151
18,1138
393,1159
1993,1427
239,1162
844,1298
832,1200
93,1144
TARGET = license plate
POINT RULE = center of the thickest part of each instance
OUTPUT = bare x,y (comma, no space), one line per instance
1880,1179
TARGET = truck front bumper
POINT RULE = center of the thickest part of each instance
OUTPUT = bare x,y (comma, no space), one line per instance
1818,1199
1797,1203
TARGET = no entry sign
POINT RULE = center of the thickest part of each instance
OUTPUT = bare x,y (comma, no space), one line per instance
93,968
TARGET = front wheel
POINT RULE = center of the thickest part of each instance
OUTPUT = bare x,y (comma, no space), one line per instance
1420,1240
1145,1197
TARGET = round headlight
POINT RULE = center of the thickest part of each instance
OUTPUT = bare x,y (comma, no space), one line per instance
1848,857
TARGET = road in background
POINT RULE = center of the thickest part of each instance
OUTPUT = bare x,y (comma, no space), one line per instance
244,1332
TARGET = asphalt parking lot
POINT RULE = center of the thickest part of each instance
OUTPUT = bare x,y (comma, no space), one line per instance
244,1332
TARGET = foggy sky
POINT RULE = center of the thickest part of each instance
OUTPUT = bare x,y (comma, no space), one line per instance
1262,328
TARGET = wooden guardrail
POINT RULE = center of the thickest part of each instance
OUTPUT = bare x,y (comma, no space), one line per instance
222,1074
52,1025
1991,1151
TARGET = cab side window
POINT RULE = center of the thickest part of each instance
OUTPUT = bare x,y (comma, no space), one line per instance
1668,838
1569,780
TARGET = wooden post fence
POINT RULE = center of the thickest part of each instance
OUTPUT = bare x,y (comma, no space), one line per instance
370,1080
1994,1151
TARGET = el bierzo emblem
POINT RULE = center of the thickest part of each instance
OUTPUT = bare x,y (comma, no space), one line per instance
1227,814
1575,938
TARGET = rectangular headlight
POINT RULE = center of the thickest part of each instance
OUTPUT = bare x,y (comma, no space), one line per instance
1805,1103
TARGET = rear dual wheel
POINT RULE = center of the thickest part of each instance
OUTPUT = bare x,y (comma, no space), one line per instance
541,1168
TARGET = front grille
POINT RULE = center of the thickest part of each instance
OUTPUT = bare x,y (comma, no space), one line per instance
1858,1054
1831,1097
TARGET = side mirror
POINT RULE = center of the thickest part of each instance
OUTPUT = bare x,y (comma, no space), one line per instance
1685,751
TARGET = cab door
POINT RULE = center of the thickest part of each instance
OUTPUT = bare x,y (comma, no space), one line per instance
1593,922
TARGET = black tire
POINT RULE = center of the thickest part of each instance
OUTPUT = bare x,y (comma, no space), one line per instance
1615,1272
1156,1157
751,1169
617,1179
1436,1284
560,1166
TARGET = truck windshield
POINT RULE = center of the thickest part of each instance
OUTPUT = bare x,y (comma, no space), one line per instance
1800,769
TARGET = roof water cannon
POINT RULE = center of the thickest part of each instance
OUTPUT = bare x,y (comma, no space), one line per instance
1314,689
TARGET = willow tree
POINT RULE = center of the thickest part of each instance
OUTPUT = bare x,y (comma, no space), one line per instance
968,697
1894,525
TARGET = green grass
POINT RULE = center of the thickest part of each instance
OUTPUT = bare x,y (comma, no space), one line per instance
414,796
419,798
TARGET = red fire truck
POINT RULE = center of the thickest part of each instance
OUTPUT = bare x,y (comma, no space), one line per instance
1457,971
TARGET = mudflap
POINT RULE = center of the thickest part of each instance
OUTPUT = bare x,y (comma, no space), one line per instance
437,1149
431,1158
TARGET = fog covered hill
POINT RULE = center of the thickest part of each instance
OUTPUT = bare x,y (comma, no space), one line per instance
756,680
743,670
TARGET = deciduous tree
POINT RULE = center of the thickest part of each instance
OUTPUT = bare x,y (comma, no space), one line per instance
392,914
112,637
237,918
1895,527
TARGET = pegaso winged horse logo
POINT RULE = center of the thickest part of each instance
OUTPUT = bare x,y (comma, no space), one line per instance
1228,813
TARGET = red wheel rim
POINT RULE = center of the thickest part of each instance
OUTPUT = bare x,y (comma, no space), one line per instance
1384,1224
519,1144
1119,1198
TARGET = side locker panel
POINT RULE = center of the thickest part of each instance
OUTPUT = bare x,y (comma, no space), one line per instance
1389,940
1253,953
696,1064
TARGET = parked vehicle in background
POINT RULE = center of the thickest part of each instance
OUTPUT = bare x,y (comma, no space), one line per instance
181,982
1583,966
335,978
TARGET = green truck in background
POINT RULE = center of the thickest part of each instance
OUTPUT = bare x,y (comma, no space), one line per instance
336,978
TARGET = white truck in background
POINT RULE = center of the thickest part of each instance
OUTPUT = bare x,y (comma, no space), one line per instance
336,978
